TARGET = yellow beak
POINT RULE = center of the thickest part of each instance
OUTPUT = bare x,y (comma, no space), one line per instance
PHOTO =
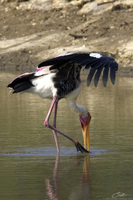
85,122
86,136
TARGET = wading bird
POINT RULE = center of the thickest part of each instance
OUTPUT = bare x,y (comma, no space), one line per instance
59,78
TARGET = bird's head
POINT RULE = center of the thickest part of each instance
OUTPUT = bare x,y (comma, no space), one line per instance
85,121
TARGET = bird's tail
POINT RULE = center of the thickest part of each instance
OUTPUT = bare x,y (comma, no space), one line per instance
22,82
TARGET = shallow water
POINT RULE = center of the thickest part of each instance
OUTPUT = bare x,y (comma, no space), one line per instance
29,166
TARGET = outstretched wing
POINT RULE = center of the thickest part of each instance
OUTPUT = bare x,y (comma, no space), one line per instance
95,61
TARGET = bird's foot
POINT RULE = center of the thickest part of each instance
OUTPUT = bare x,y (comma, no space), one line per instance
80,148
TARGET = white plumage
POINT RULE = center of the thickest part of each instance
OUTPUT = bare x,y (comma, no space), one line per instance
44,86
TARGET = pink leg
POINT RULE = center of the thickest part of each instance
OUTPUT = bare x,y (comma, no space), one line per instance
46,123
54,125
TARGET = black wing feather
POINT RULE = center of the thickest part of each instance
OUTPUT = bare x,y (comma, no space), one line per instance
105,75
97,75
92,64
80,58
97,62
91,73
112,73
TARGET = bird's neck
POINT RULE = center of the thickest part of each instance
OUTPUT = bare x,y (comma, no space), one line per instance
77,108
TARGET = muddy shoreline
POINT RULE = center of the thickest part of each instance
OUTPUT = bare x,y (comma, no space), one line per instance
30,35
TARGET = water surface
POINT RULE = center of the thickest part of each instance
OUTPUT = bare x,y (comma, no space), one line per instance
29,166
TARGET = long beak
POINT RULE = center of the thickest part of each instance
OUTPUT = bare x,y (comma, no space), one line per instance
86,136
85,122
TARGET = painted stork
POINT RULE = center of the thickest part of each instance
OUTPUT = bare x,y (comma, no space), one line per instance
59,78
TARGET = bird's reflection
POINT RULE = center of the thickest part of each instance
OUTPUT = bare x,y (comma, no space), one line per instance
86,169
80,189
53,193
